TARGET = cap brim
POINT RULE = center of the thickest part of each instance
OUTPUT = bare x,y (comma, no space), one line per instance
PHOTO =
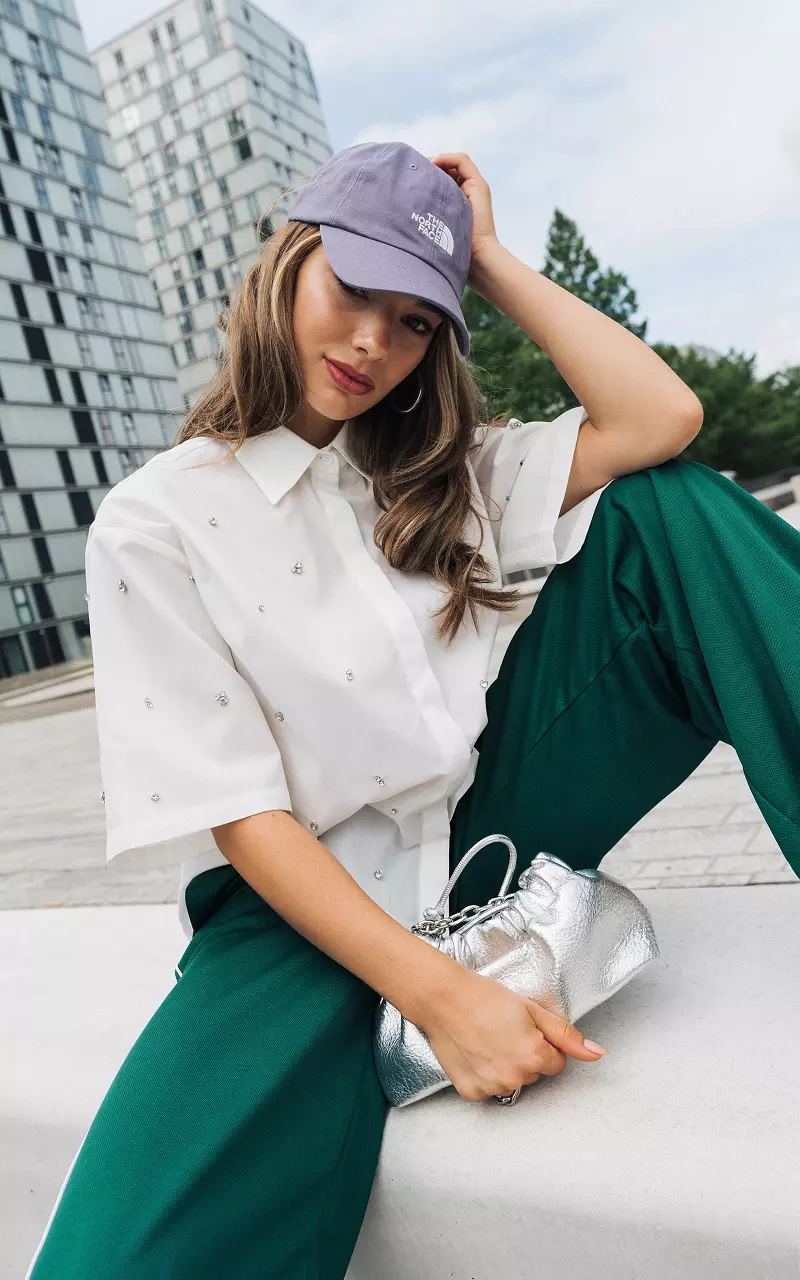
371,264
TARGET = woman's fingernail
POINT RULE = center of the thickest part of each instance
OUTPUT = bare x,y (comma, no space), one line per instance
594,1048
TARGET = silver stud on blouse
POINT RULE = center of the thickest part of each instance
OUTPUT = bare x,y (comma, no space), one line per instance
155,796
378,875
313,826
148,702
121,586
103,796
514,422
484,684
297,567
349,674
380,781
279,715
212,519
221,698
261,608
86,595
393,812
191,577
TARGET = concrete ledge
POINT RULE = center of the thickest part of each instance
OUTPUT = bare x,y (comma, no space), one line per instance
674,1156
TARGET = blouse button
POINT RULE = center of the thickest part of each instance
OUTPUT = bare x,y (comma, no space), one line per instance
279,715
212,519
378,875
155,796
349,674
221,698
484,684
313,826
121,586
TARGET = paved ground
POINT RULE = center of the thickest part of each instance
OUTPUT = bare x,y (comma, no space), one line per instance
707,832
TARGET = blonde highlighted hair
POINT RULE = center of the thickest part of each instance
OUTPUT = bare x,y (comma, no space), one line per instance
417,460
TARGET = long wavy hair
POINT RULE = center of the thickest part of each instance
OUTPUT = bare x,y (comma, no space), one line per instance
417,460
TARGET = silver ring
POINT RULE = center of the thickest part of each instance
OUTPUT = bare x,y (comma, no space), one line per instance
508,1098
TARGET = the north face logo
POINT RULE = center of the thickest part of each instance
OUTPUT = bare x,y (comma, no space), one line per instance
435,230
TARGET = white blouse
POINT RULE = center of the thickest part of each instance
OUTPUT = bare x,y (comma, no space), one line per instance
254,650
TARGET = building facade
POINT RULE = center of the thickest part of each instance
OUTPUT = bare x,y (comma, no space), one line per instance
214,111
88,388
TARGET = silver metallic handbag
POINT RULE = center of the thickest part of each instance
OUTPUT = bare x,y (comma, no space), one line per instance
567,939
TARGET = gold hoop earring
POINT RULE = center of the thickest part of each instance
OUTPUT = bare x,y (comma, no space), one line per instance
414,405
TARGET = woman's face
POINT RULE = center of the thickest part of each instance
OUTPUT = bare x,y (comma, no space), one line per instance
382,336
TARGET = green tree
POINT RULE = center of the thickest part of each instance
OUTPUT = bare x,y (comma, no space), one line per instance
751,425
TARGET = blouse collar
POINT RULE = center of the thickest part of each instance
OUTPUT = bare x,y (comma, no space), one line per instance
276,459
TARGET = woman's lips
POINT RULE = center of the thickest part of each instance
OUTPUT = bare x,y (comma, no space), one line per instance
344,381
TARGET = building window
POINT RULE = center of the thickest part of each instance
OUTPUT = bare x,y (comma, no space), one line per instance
40,187
200,288
170,156
194,80
208,168
242,148
77,202
87,236
53,387
127,88
89,173
92,143
118,351
201,140
186,236
155,193
119,58
94,208
85,349
98,312
191,174
205,227
230,213
129,429
19,301
156,39
158,219
167,95
177,123
19,111
224,190
128,392
20,79
172,33
37,56
62,270
105,427
88,274
46,122
158,132
235,124
53,58
197,261
149,167
106,393
227,243
55,307
189,347
161,245
185,322
183,295
197,202
143,77
219,278
252,205
36,343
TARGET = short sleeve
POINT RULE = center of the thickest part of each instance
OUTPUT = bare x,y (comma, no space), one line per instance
184,744
522,471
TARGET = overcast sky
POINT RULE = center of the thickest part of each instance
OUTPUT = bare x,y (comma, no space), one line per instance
668,129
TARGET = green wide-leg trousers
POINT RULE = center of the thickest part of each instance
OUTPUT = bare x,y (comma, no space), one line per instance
240,1136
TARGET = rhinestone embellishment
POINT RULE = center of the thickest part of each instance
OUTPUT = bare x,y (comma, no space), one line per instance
279,715
378,875
514,422
297,567
212,519
221,698
393,812
155,796
313,826
484,684
121,586
148,702
349,674
191,577
261,608
380,781
103,796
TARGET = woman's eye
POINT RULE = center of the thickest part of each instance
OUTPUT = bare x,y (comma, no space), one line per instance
348,288
424,328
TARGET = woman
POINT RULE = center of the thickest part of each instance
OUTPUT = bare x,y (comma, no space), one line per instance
291,648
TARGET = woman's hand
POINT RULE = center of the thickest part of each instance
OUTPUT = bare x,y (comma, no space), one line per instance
489,1040
464,171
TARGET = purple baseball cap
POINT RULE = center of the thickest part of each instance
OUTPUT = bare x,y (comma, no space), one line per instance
391,219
